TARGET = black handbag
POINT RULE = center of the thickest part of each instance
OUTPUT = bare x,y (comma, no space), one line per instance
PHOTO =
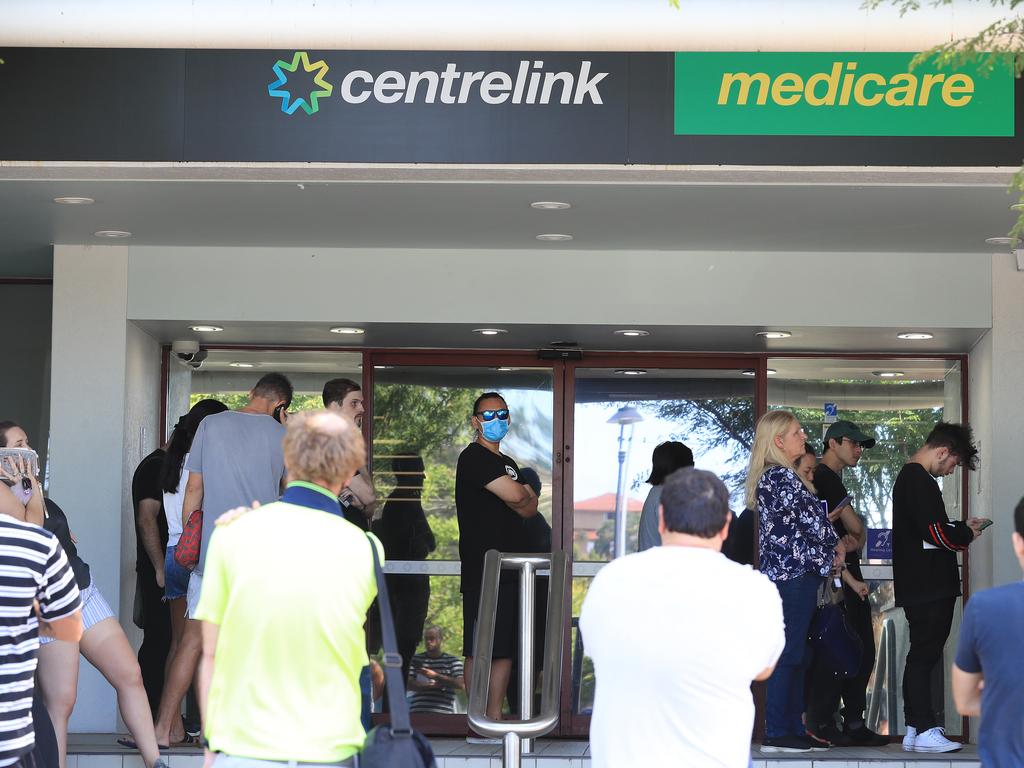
838,647
396,744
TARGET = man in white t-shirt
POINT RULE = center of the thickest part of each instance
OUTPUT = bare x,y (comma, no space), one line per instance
677,633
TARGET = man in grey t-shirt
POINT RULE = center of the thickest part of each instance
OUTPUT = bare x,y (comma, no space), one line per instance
236,458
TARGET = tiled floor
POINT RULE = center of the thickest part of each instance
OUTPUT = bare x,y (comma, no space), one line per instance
101,751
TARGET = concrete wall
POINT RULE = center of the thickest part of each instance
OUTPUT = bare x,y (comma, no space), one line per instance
996,371
25,387
644,288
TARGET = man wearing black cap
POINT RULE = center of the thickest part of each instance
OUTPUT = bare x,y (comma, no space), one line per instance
844,442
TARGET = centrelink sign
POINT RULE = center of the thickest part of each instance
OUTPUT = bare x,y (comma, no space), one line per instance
840,94
529,83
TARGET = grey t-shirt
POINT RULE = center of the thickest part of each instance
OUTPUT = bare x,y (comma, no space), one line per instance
648,535
241,460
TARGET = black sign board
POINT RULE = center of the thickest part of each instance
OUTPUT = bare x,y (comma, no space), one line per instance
397,107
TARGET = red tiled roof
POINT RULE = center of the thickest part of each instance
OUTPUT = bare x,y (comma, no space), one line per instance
606,503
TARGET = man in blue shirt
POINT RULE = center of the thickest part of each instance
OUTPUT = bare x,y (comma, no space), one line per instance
988,679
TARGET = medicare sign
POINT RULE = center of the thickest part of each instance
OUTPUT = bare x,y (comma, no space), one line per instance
840,94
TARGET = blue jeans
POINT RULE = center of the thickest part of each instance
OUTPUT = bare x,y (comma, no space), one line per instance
785,695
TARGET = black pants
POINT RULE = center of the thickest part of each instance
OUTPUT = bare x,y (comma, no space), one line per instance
156,639
44,754
929,629
825,688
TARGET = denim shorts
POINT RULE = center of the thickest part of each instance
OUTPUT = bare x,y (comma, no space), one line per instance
175,577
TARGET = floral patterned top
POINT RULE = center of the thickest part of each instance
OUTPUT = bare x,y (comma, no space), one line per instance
796,536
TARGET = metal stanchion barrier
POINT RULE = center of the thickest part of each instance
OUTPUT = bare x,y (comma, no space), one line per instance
517,735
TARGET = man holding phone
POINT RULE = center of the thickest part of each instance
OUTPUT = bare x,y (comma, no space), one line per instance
926,572
844,443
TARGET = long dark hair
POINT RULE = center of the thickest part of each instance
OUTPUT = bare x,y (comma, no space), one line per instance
181,441
5,426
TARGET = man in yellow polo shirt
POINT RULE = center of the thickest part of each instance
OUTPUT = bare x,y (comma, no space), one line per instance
285,594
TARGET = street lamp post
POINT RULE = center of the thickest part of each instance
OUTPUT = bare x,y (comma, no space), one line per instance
625,415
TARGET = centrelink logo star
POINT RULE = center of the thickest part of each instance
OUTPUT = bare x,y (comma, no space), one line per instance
290,103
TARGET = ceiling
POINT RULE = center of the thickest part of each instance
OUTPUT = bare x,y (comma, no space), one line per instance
840,211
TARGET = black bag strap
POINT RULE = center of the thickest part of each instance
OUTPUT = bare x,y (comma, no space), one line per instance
394,685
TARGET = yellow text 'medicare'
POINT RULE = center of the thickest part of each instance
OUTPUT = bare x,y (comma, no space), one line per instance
838,88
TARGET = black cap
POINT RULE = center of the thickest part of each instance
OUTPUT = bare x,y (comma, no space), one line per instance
841,429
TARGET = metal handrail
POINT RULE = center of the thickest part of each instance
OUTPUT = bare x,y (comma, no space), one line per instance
516,734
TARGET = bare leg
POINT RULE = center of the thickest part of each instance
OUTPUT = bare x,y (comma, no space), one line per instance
501,673
176,731
106,647
58,677
179,678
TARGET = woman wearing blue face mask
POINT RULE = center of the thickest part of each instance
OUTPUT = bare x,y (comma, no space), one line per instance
491,501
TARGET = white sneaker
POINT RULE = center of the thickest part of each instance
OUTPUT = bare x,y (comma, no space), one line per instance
910,739
934,740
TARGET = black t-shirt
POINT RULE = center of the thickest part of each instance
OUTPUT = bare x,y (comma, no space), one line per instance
485,521
146,485
831,489
924,540
56,522
739,546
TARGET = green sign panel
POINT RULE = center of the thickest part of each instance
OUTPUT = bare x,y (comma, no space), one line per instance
838,94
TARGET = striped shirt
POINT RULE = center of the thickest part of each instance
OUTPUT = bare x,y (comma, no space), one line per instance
32,567
442,698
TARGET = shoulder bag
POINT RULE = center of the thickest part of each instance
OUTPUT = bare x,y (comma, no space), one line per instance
394,744
838,647
186,551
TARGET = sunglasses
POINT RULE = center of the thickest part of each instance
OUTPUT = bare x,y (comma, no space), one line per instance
492,415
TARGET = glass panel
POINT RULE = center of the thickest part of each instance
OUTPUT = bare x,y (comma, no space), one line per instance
620,416
898,402
228,375
582,676
420,602
420,426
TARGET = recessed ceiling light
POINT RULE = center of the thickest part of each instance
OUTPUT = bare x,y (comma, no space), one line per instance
347,330
550,205
1001,241
383,367
206,328
752,372
554,238
489,331
73,200
505,368
888,374
632,332
242,365
915,336
774,334
631,371
113,233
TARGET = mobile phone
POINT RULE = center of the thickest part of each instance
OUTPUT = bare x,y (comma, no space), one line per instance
846,500
12,458
277,414
985,524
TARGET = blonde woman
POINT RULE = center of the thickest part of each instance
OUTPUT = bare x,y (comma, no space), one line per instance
798,549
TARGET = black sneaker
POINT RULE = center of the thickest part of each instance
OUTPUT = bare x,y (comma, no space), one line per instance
787,744
865,737
829,735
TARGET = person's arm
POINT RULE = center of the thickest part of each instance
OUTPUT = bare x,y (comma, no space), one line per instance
928,515
10,504
149,533
813,520
59,604
361,494
855,528
855,584
69,629
519,498
193,496
967,688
